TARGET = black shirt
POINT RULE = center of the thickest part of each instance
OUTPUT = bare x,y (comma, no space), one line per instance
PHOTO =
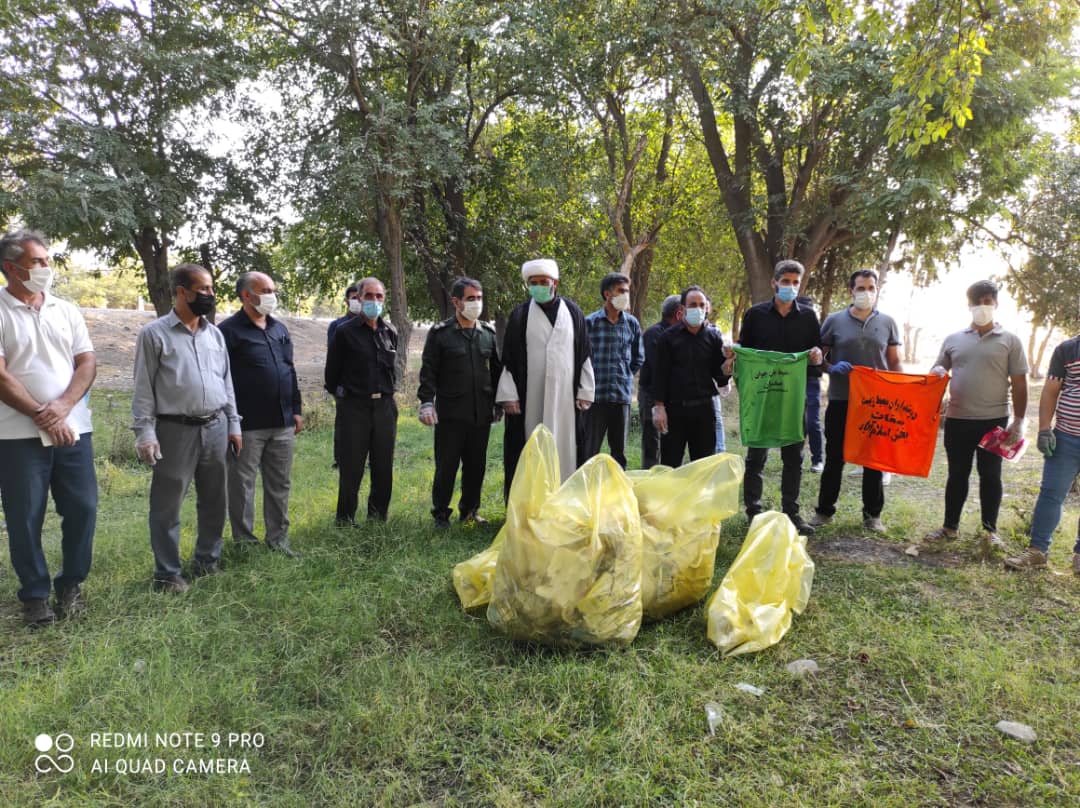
765,329
645,378
460,371
361,359
263,374
688,366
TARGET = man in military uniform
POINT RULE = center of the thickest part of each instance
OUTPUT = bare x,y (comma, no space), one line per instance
458,375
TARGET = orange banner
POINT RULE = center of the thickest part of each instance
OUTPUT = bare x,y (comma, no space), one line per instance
892,420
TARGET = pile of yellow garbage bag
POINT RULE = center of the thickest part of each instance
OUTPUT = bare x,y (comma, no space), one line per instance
580,564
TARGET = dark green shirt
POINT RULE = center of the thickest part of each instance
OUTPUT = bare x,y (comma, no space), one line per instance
459,372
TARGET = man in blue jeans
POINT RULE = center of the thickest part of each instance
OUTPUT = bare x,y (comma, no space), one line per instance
1059,442
46,368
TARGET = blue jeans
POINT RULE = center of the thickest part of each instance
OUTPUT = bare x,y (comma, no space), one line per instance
28,471
1059,471
718,414
812,418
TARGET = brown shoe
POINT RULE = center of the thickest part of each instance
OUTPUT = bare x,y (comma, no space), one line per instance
1076,564
1030,559
37,613
174,584
936,539
69,601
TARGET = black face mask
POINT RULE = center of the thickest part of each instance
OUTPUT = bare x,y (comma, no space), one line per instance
201,305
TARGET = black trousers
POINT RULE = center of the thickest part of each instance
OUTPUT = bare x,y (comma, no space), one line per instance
369,430
650,438
458,443
611,419
873,492
790,479
962,436
690,428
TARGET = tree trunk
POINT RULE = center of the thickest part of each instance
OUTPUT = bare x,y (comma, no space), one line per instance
438,279
1037,364
639,283
154,253
391,237
206,261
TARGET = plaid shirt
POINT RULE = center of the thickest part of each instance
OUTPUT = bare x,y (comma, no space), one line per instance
617,354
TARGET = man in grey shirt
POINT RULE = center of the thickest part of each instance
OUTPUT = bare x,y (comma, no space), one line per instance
185,416
858,335
986,363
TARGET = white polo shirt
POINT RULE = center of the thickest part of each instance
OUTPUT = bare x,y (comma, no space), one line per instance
39,347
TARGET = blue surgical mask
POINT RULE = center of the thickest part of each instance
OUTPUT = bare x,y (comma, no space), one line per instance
541,294
786,294
694,317
372,309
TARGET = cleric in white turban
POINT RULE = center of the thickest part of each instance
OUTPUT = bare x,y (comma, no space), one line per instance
547,373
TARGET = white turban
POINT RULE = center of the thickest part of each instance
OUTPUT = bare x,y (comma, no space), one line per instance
539,266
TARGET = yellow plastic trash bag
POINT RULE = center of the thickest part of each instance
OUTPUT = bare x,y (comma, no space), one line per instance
571,575
537,478
769,579
681,511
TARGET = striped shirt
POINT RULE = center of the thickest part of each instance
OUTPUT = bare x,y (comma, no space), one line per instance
617,354
1065,365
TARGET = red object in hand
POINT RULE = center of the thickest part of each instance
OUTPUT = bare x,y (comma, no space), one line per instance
997,441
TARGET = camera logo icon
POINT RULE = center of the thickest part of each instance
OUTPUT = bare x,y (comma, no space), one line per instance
63,762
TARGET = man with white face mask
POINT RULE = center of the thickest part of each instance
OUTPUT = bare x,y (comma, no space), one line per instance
458,374
986,363
858,335
46,368
268,400
617,354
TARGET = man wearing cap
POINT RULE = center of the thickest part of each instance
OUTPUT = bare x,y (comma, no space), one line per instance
361,371
547,372
184,412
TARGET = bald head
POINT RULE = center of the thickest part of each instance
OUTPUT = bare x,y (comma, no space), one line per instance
258,294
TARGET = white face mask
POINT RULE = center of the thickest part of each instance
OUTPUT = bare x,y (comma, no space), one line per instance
355,306
267,304
40,279
621,302
471,309
982,315
864,300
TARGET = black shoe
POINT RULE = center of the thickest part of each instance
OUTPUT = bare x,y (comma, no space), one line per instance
69,601
442,523
246,542
37,613
200,569
750,514
284,549
343,522
803,527
174,584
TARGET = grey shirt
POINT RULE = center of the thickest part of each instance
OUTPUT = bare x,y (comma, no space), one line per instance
180,373
849,339
981,368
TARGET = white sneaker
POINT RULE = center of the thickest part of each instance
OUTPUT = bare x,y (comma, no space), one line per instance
817,468
886,477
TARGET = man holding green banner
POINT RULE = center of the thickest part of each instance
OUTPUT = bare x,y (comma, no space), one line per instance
772,387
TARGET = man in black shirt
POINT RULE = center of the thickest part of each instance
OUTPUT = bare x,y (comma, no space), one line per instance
458,375
268,400
780,324
360,371
670,313
687,373
352,311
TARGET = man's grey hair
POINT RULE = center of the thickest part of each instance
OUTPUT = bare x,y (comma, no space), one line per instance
360,284
245,280
787,267
671,304
11,245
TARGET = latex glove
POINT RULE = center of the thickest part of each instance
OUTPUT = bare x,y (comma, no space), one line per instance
1017,428
427,415
729,352
149,452
815,356
939,371
583,405
841,368
1047,442
659,418
512,407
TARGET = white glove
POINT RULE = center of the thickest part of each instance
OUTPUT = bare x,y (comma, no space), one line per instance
1016,429
659,418
149,453
427,415
939,371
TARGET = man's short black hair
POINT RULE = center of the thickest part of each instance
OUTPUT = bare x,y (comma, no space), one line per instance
611,280
688,290
184,275
861,273
980,289
461,284
351,289
788,266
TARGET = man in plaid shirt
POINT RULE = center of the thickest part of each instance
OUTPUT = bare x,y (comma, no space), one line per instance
617,354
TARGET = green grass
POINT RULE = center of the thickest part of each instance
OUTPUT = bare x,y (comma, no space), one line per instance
371,686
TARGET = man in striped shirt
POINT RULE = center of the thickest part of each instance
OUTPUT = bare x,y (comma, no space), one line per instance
1060,445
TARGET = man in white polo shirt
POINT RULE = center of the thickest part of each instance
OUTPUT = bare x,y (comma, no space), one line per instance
46,368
